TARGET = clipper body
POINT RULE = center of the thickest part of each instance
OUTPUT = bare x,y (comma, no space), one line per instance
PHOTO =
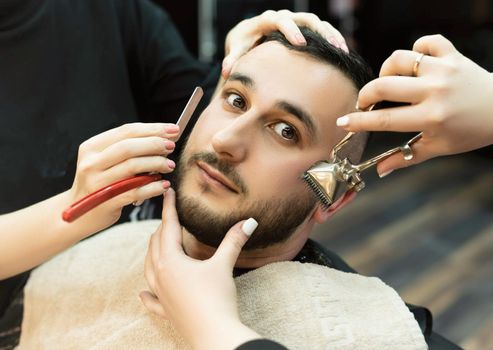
330,179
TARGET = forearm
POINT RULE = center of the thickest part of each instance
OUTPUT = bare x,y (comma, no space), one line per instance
32,235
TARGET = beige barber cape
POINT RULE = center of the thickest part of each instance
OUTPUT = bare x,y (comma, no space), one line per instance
87,298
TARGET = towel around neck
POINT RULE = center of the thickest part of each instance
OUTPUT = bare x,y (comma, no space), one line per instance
87,298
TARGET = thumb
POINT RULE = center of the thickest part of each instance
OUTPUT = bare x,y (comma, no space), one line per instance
236,52
227,66
233,242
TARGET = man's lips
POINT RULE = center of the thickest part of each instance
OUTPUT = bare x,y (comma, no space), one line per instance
218,176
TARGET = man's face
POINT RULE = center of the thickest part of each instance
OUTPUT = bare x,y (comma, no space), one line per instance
273,118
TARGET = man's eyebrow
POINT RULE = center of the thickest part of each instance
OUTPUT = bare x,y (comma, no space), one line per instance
299,113
242,78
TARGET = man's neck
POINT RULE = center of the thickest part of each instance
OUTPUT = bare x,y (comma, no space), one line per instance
284,251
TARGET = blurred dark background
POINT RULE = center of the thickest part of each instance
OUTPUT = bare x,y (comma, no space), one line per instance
428,230
374,28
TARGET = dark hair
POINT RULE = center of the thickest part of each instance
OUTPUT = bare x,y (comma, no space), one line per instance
352,65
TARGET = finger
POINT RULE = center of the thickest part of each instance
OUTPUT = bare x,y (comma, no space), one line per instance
324,28
434,45
154,246
238,41
230,247
404,119
155,257
152,304
125,170
421,153
226,67
332,35
291,31
235,53
140,194
265,23
132,148
171,241
393,88
401,62
149,268
134,166
132,130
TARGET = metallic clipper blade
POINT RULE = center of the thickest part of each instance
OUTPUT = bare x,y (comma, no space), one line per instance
322,179
329,179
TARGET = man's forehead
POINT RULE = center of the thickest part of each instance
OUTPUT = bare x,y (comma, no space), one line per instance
280,69
293,69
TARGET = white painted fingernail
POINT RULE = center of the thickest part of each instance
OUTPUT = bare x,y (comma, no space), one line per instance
249,226
342,121
385,173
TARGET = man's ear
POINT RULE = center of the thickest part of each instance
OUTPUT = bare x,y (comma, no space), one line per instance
320,215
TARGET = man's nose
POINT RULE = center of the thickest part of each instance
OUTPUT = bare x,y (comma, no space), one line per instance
232,141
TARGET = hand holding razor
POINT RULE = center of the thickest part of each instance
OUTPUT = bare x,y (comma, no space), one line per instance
94,199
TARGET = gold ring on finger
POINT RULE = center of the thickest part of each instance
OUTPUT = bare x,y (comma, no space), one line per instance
417,61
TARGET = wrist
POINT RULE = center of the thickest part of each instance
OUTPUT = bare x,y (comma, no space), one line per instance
80,228
71,232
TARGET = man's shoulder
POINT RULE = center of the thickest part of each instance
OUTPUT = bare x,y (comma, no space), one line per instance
316,253
335,308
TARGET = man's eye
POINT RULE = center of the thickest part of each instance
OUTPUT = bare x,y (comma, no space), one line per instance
236,101
286,131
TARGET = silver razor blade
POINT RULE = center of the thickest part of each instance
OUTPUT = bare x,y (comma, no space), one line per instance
189,109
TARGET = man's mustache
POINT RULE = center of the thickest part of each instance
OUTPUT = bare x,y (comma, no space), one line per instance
222,166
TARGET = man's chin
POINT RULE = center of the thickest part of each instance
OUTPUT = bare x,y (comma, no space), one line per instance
199,216
209,220
205,241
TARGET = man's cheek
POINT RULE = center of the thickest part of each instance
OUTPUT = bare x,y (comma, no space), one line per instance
288,175
200,138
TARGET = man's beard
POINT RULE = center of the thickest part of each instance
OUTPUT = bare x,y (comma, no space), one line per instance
277,218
